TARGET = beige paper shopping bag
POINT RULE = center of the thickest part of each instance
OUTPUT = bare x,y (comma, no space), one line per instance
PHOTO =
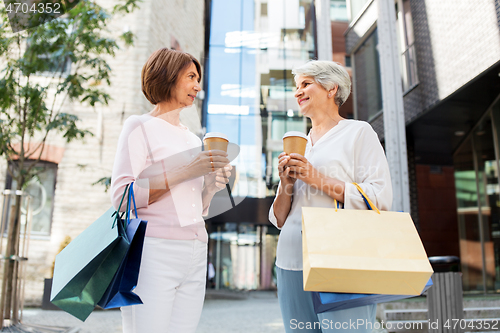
362,251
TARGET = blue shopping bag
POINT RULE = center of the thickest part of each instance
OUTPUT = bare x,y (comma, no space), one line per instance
324,302
120,291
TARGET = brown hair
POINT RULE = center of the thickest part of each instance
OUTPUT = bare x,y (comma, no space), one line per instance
160,73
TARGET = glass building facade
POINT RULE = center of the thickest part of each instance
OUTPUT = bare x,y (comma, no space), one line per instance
477,165
253,46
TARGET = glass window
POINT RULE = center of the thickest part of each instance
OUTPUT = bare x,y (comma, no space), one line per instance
367,83
236,259
406,45
41,188
477,191
54,61
254,44
338,10
250,93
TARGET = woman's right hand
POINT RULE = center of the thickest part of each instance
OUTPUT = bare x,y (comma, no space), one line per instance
206,162
284,171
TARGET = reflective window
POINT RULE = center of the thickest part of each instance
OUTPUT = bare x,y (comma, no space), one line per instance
253,47
338,10
242,256
406,45
41,188
367,84
478,205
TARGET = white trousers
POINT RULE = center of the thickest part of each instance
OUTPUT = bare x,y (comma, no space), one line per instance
171,285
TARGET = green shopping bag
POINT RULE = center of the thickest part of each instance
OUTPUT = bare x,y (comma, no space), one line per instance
86,267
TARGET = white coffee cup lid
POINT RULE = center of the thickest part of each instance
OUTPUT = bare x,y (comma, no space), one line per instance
295,133
216,135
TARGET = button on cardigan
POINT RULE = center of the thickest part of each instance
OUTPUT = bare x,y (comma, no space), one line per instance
349,152
147,140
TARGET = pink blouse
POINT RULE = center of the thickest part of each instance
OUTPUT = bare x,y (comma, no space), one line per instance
149,146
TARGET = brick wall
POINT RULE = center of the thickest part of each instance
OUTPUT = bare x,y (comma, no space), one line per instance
455,41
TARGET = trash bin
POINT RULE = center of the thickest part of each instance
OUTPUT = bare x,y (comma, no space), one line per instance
445,306
443,264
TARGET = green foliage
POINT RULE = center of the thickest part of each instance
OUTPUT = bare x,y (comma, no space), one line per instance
105,181
49,66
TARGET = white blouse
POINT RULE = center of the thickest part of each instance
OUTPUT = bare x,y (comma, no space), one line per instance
349,152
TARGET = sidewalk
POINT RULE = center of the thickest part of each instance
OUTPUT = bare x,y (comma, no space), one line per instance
223,312
256,311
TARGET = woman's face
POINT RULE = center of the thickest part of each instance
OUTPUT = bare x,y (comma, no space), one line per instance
310,95
187,87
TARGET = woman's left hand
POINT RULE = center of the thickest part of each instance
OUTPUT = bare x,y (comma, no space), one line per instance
217,180
300,168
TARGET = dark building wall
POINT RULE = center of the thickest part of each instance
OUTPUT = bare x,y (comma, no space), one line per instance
437,210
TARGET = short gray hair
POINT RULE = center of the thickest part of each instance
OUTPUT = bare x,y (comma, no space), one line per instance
328,74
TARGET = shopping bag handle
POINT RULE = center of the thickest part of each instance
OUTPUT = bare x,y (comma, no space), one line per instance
367,200
131,196
117,212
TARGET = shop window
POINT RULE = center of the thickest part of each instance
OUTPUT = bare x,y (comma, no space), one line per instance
477,177
41,188
53,62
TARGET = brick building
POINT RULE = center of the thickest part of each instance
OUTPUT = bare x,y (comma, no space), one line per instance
450,68
72,202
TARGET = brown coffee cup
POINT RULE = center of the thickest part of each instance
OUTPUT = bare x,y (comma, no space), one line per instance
216,140
294,142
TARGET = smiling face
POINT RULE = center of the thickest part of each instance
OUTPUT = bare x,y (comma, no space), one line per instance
186,87
310,95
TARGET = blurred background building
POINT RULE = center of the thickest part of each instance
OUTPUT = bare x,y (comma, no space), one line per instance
448,51
449,54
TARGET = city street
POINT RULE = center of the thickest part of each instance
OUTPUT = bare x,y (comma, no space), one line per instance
258,312
230,312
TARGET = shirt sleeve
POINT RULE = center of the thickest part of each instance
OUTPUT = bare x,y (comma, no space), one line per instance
205,209
371,172
130,161
272,217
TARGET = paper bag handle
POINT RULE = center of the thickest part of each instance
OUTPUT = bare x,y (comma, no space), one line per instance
367,200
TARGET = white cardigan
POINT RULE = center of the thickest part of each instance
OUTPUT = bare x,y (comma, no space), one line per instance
349,152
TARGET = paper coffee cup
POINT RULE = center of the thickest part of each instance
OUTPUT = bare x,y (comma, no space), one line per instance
216,140
294,142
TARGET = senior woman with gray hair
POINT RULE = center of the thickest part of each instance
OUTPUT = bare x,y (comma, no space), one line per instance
339,152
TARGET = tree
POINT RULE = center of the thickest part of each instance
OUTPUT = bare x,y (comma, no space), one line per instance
32,105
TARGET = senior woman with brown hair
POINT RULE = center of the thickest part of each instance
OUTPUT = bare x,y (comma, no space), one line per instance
172,276
339,152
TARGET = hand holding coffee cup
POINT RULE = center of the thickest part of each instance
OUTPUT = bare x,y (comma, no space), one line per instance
219,141
294,142
215,141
